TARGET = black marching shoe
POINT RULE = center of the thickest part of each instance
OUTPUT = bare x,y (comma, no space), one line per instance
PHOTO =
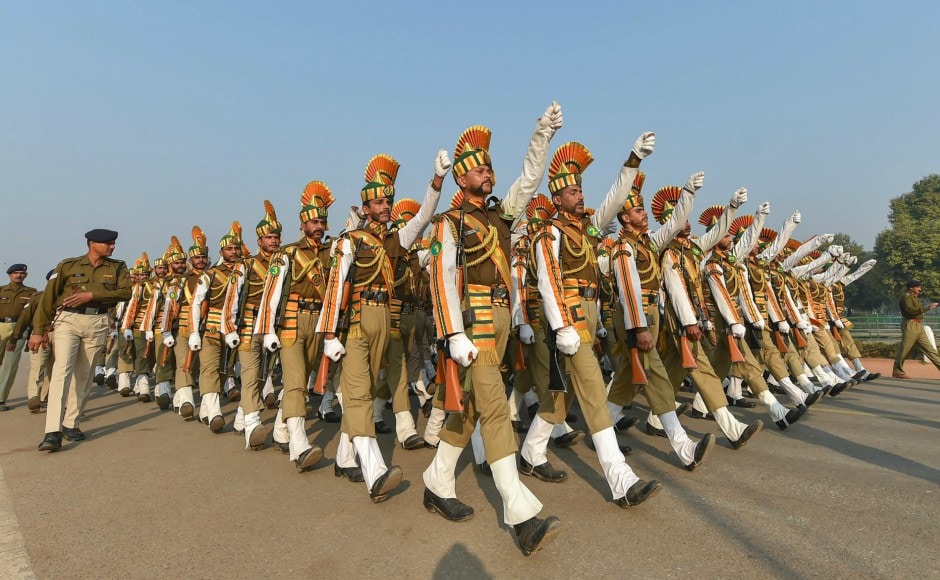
518,427
217,424
857,377
534,534
143,398
270,401
650,430
163,401
485,468
752,430
624,423
385,484
837,389
638,493
34,404
73,434
695,414
545,471
353,474
382,428
51,442
871,377
111,381
126,392
568,439
813,397
414,442
702,450
450,508
329,417
683,408
99,379
187,411
792,417
308,459
742,403
4,406
571,418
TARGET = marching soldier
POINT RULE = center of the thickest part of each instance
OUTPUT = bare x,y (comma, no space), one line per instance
76,302
14,297
40,363
362,278
135,354
480,230
175,261
294,292
568,280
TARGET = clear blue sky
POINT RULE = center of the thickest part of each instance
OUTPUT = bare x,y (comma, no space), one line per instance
151,117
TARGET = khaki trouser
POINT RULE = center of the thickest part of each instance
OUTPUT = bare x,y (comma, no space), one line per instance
704,377
535,373
586,382
9,366
142,364
78,340
660,392
811,353
297,362
827,344
251,375
183,377
486,403
749,370
210,360
125,354
168,371
849,348
6,333
394,386
40,372
912,332
361,364
772,358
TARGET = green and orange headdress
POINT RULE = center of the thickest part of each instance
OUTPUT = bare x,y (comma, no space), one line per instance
269,224
635,198
767,237
199,247
403,211
739,225
568,163
472,150
233,237
315,201
381,173
711,216
174,251
664,201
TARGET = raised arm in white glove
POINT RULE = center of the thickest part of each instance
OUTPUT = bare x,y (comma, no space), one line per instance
442,164
333,349
826,238
737,330
695,181
526,334
232,340
148,335
552,117
764,209
271,343
644,145
462,349
835,251
795,218
567,340
739,198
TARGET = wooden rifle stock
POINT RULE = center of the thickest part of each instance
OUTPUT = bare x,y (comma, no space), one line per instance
778,341
736,355
189,361
638,373
148,348
165,355
453,394
835,331
323,372
800,338
520,356
688,359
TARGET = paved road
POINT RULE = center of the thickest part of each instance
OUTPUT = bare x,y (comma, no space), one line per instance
850,491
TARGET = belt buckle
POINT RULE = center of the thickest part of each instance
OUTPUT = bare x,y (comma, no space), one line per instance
588,292
499,293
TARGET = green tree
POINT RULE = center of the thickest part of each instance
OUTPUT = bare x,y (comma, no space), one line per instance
910,247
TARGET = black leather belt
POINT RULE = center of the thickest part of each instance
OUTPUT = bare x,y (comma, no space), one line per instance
499,293
408,308
379,297
99,310
10,319
587,292
310,305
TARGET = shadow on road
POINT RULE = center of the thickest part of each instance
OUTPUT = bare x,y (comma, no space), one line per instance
459,562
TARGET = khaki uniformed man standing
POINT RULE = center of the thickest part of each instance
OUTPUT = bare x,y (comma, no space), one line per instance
76,302
912,329
14,297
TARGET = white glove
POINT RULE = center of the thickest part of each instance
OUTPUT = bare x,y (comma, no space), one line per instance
552,117
603,264
442,163
271,343
601,332
737,330
424,258
168,340
852,261
695,182
232,340
810,329
839,324
796,217
804,326
128,334
334,349
707,325
195,341
113,335
567,340
764,209
759,325
526,334
783,327
461,349
835,251
148,335
612,228
644,145
739,198
870,263
826,238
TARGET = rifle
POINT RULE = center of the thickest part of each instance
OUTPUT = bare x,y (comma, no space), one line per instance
636,363
800,337
520,356
110,345
754,339
269,359
230,355
835,331
327,370
453,389
688,359
557,382
148,348
200,329
778,339
736,355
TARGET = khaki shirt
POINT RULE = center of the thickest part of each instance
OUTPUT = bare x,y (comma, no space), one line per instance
108,282
13,298
911,306
24,322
